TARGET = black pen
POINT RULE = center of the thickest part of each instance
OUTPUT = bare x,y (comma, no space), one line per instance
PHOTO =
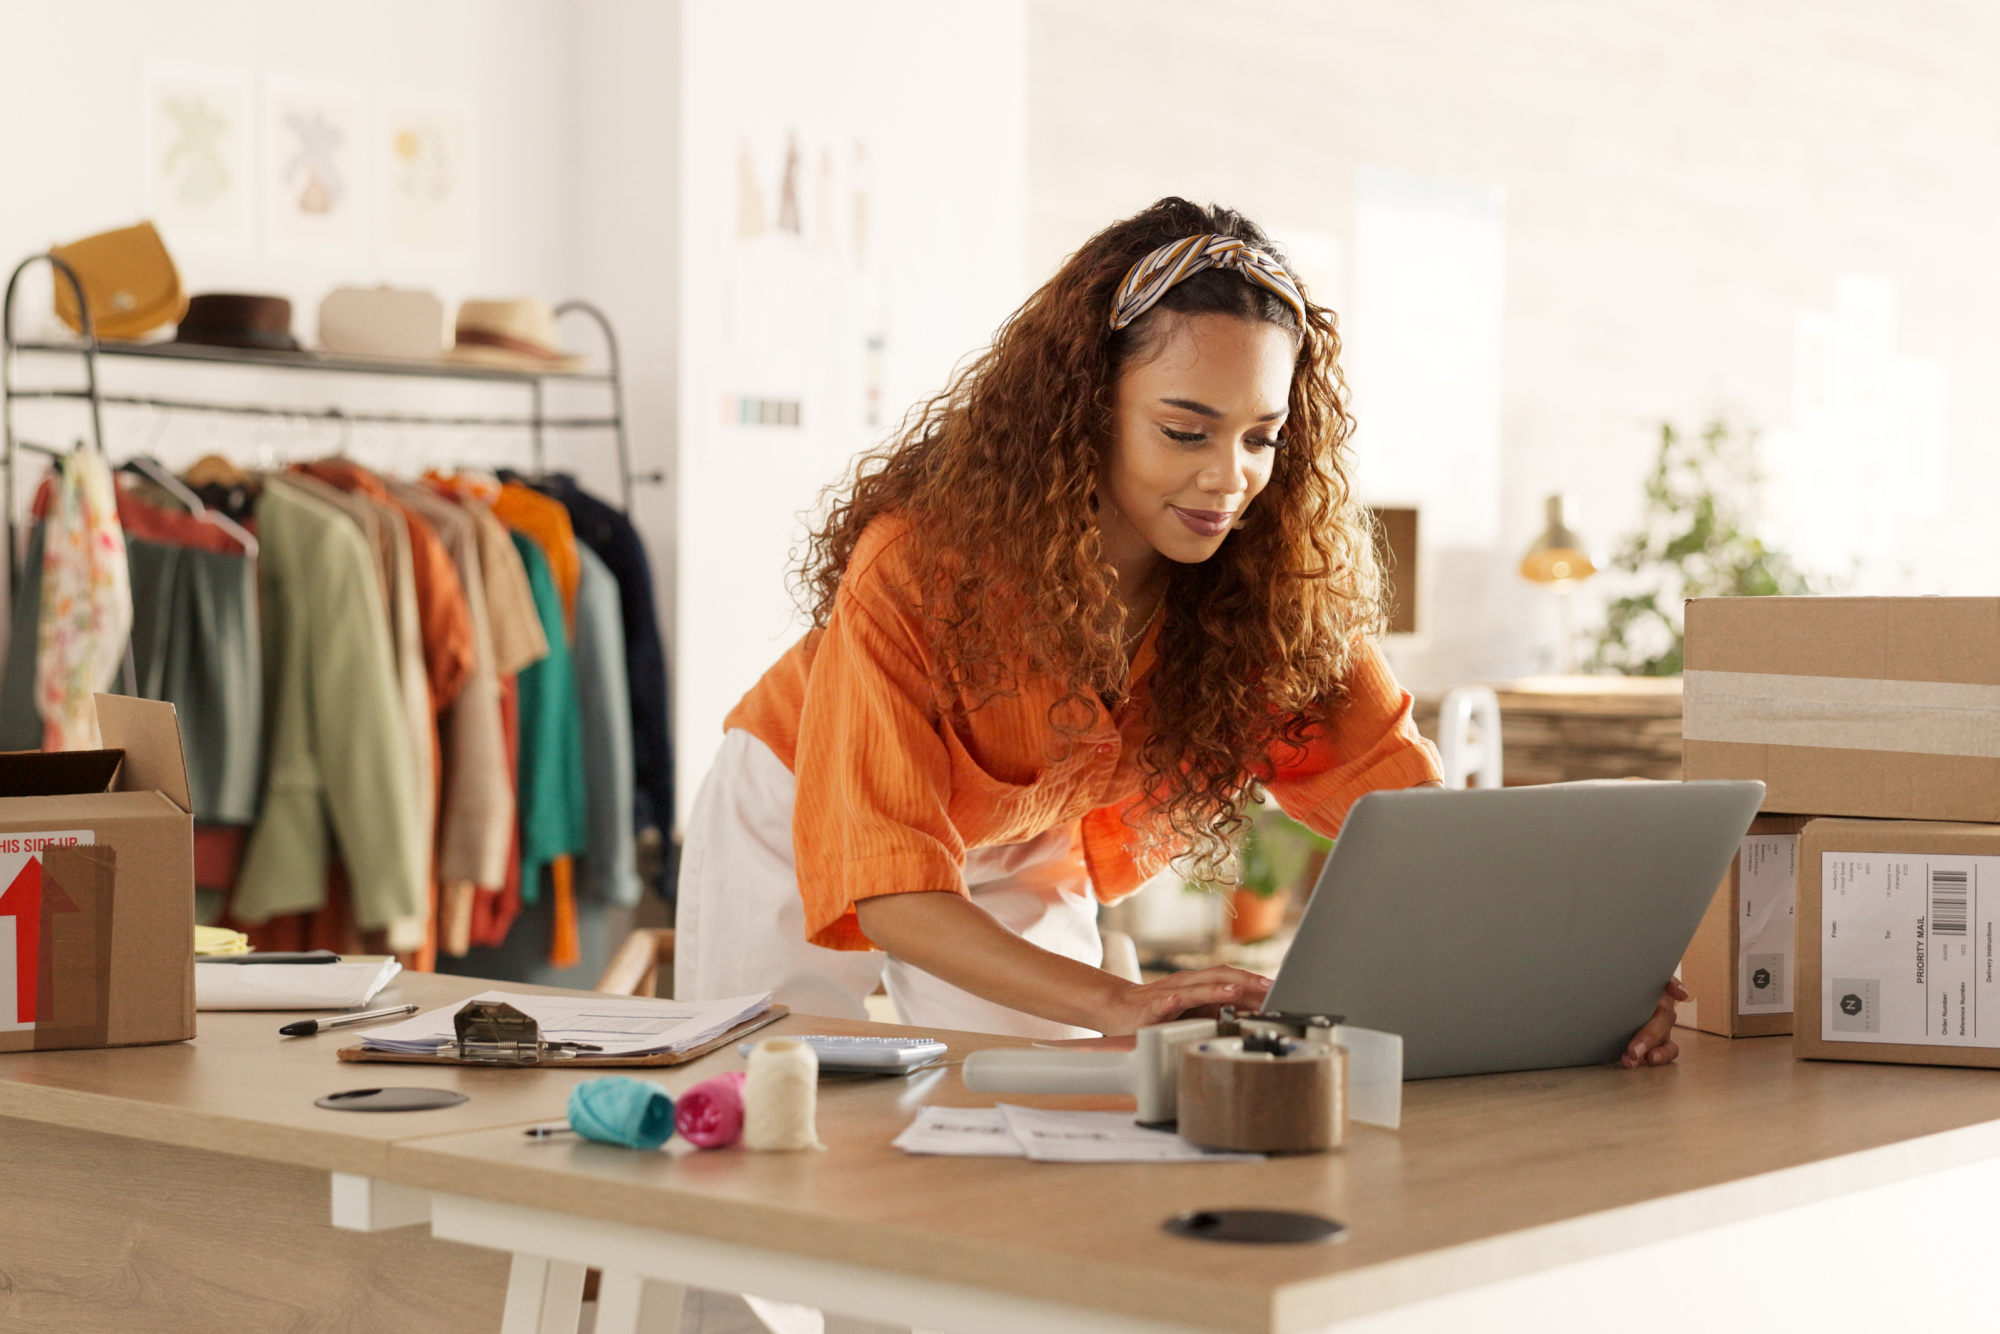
305,1028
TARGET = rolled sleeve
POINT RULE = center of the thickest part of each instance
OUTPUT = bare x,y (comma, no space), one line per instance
874,776
1370,744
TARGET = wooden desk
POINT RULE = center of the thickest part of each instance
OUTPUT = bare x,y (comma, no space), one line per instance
185,1188
1489,1179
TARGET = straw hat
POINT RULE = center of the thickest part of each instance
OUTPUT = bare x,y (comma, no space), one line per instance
518,335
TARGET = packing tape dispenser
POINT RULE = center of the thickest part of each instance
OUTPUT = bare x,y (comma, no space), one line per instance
1150,1073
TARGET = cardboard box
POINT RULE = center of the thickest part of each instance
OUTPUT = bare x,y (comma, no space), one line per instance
1740,968
1895,942
1884,707
97,888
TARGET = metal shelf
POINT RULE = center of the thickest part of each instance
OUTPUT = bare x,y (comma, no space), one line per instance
90,349
318,361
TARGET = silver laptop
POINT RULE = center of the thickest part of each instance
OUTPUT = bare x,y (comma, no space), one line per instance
1512,928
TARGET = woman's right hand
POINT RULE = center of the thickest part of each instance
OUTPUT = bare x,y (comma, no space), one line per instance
1195,994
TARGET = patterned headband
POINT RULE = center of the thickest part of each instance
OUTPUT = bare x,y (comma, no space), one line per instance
1152,277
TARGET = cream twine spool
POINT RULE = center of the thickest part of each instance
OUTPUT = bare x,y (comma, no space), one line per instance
779,1097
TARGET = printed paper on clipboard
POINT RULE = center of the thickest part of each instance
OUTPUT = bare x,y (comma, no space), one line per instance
617,1029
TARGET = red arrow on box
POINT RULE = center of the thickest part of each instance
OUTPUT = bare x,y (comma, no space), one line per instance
23,902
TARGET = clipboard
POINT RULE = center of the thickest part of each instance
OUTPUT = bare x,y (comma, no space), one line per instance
771,1014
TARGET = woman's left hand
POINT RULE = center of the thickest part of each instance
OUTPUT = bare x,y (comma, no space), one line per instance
1654,1044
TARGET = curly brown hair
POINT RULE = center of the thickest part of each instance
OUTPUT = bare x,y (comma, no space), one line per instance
998,476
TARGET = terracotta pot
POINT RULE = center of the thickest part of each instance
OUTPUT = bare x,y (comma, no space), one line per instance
1257,917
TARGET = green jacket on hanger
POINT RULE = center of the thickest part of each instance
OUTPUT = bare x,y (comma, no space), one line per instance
555,820
339,748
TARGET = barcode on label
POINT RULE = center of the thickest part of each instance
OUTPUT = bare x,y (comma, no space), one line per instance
1947,903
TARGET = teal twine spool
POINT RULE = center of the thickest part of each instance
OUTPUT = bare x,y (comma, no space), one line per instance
636,1113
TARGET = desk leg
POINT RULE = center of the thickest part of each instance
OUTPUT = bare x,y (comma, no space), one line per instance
543,1296
629,1304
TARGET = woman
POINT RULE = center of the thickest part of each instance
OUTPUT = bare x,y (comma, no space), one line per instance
1105,585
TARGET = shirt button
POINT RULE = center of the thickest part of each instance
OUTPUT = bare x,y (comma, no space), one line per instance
1107,747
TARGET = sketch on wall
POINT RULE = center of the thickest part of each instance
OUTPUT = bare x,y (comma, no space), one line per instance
425,145
195,127
1422,351
312,169
1866,448
799,359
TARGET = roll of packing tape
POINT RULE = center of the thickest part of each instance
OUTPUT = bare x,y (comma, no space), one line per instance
1264,1095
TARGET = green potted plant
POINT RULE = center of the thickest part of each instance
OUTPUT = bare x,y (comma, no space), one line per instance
1280,857
1696,538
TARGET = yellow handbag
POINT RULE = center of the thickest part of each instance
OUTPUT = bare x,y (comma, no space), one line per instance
129,279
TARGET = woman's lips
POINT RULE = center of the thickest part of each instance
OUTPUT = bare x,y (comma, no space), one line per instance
1204,523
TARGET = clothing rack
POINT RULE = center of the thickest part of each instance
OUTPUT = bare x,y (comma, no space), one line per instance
536,420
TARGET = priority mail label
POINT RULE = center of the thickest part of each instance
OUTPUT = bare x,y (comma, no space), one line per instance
24,902
1767,894
1906,949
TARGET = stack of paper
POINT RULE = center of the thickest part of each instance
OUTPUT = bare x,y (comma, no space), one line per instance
613,1026
219,940
1051,1137
291,986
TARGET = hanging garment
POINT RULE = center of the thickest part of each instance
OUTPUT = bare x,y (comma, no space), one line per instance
518,641
368,521
526,510
20,720
445,622
610,534
554,814
399,599
476,815
494,914
86,611
609,872
442,632
196,643
338,749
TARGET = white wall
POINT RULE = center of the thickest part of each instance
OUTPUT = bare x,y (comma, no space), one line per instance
936,92
71,166
588,120
1681,182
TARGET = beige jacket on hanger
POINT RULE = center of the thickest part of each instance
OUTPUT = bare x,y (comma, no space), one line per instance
476,822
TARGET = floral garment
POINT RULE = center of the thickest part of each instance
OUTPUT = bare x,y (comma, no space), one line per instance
86,603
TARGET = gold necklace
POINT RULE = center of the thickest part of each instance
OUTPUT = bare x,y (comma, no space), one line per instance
1135,638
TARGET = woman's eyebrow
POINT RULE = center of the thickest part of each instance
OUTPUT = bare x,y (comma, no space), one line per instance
1213,414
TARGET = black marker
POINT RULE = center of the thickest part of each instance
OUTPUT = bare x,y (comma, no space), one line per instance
305,1028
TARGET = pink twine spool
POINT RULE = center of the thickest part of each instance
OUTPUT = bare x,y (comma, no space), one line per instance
710,1115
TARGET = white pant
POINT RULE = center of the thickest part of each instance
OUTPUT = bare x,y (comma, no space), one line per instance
740,926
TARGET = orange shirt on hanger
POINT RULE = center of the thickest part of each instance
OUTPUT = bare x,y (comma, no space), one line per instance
545,521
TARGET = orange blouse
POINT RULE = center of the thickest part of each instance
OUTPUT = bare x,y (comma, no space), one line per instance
891,793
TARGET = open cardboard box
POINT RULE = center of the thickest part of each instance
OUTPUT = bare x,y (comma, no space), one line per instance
97,888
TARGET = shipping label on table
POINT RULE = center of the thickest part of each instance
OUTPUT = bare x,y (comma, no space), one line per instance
26,905
1906,948
1767,888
